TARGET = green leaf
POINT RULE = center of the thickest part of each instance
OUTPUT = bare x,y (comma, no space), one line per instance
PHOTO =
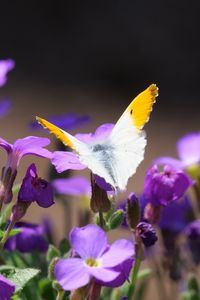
116,219
6,268
193,284
20,277
52,252
12,232
64,247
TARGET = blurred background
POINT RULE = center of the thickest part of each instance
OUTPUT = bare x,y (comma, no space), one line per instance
93,57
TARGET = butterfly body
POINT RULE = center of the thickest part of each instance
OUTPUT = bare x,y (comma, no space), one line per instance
117,157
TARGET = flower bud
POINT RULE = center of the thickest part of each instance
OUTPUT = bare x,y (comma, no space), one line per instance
116,219
19,210
133,211
147,233
7,180
99,199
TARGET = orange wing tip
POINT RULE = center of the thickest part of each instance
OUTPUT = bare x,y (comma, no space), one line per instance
40,121
153,90
141,107
56,131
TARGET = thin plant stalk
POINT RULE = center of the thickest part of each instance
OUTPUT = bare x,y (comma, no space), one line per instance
6,234
60,295
134,277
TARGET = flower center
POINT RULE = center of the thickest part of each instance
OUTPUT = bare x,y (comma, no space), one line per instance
91,262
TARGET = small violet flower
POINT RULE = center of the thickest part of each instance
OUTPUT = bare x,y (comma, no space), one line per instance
94,261
160,188
66,122
63,160
34,188
31,238
4,107
179,213
7,288
147,233
188,151
5,66
30,145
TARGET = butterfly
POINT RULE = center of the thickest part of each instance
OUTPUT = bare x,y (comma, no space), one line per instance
117,157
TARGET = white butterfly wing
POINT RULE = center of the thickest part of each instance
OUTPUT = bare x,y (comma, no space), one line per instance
117,158
128,150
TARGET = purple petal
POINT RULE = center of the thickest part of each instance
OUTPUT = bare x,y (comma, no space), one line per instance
160,188
103,184
124,271
119,251
31,238
63,160
32,145
100,134
4,107
188,148
88,241
170,161
4,144
103,274
71,273
182,183
5,66
178,213
7,288
75,186
36,189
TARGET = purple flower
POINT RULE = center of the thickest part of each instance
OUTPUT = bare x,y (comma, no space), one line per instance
90,243
75,186
188,151
147,233
124,271
67,160
63,161
4,107
36,189
7,288
179,214
66,122
192,232
31,238
160,188
5,66
30,145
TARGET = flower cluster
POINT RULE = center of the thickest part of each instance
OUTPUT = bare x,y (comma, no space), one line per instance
160,225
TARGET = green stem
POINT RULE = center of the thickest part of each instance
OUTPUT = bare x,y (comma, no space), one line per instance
6,234
101,219
60,295
134,277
